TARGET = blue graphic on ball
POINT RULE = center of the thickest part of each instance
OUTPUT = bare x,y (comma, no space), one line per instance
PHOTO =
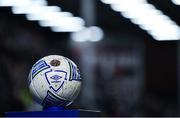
38,67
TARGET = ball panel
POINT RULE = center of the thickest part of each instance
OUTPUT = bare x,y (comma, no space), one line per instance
70,89
34,94
40,84
76,89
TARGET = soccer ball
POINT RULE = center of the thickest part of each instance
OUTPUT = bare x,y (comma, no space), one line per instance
54,81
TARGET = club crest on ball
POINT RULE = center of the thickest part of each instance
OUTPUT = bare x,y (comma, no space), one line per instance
55,62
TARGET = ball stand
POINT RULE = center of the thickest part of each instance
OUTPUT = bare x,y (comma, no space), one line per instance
54,111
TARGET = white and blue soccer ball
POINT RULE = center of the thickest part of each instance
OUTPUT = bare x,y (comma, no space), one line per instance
54,81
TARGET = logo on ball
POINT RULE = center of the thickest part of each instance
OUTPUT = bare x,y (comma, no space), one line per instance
56,78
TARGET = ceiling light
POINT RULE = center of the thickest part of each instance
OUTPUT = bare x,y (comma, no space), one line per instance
147,17
176,2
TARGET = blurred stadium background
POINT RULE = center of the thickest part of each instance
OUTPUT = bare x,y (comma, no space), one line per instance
127,51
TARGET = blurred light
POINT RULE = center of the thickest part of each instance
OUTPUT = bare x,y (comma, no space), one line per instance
96,33
110,1
34,9
14,2
64,21
122,1
11,3
66,29
147,17
40,2
64,24
48,16
176,2
92,34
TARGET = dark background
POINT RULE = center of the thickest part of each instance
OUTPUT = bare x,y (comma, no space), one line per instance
147,88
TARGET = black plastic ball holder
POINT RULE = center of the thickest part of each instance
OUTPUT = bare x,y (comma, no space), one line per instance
54,111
